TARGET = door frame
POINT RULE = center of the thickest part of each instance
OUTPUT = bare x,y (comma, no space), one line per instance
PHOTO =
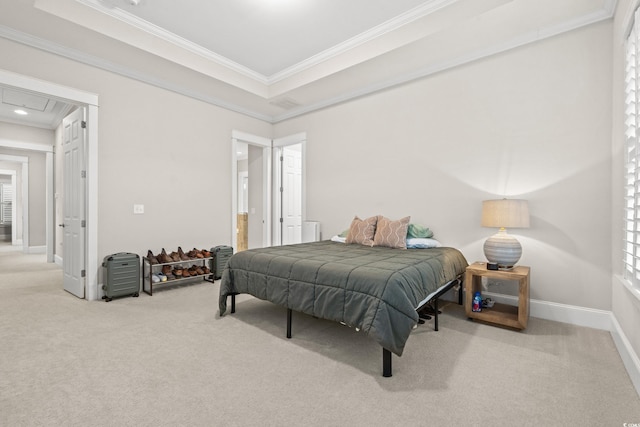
23,239
259,141
89,101
14,206
278,144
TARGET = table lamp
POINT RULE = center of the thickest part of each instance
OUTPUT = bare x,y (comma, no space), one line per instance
501,248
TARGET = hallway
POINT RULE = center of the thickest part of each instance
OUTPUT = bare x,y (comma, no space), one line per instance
20,272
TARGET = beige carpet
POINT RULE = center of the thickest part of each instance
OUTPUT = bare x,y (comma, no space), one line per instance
169,360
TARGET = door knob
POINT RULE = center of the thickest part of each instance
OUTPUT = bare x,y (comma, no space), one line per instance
60,225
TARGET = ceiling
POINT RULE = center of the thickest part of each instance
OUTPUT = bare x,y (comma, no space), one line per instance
278,59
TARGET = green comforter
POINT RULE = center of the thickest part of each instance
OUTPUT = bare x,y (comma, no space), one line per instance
374,289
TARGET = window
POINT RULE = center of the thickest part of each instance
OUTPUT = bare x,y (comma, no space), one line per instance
632,157
6,197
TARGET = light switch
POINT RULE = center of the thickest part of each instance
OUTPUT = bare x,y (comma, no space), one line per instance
138,209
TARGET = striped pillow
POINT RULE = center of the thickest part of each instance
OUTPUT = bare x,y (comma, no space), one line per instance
362,231
392,234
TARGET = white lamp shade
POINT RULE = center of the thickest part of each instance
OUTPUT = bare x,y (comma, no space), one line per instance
505,213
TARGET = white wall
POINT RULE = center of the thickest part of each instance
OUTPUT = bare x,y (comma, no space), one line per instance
157,148
534,122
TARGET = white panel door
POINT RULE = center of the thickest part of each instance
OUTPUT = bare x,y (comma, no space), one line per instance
291,194
73,203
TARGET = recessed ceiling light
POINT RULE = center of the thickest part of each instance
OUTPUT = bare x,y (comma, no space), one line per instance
21,112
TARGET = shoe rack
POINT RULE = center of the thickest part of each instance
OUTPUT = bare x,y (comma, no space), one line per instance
152,265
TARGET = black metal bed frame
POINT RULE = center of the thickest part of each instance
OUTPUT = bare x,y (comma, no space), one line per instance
425,312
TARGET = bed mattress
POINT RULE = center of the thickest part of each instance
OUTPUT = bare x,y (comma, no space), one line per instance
373,289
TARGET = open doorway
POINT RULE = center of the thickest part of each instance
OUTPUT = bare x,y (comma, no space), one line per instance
7,207
290,204
89,102
251,191
268,181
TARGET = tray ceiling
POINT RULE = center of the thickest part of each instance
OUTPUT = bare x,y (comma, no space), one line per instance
276,59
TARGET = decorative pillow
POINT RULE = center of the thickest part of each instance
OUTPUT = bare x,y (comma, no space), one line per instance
420,243
362,231
417,230
392,234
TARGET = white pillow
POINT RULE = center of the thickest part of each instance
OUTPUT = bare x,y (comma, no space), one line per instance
338,239
422,243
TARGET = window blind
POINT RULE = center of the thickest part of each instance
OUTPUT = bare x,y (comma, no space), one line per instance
6,198
631,252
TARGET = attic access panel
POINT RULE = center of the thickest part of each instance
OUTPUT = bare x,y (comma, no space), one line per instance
24,100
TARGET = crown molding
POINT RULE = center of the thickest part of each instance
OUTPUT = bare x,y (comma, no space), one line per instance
384,28
161,33
606,12
534,36
94,61
367,36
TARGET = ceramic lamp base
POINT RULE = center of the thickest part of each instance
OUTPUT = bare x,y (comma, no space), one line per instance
503,249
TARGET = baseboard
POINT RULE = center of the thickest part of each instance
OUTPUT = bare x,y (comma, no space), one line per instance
37,250
58,260
574,315
628,356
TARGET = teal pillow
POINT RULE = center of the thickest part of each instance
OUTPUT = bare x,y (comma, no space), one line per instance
419,231
344,233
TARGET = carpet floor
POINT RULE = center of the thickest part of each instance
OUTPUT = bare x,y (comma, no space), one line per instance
170,360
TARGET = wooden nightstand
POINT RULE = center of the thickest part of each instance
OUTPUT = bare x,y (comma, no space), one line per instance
501,314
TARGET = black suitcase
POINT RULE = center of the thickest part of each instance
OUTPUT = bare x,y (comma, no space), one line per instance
121,275
221,255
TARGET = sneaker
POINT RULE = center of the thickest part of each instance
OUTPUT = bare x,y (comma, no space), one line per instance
487,303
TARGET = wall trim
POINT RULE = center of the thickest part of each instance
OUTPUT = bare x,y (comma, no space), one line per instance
94,61
469,57
587,317
572,314
37,250
604,13
629,357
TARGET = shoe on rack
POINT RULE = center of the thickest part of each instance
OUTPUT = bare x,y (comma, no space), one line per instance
174,256
198,254
205,270
182,255
185,272
166,270
163,257
177,272
206,253
152,258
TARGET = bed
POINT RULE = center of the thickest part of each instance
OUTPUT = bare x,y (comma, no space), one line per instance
376,290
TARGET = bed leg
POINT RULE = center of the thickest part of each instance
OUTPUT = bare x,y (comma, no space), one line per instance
386,363
435,305
460,292
289,315
233,303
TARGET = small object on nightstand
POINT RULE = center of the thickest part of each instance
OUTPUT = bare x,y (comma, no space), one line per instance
492,266
477,302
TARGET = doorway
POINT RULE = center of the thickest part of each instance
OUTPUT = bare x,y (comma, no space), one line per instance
251,191
289,189
90,206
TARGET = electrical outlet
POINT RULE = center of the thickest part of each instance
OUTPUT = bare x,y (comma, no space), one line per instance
138,209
